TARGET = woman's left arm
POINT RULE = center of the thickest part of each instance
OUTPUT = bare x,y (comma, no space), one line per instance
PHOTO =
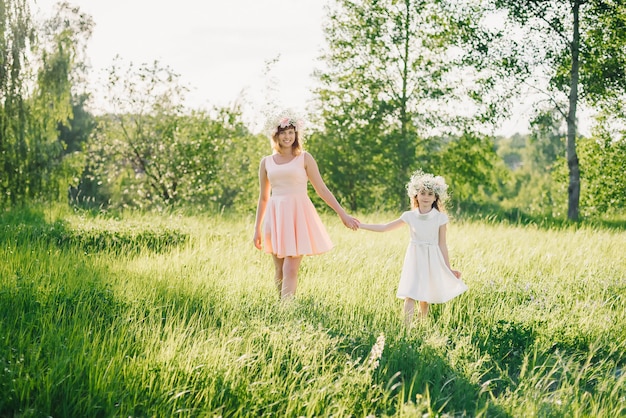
316,180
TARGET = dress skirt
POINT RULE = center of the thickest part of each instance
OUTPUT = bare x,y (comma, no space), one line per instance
425,275
292,226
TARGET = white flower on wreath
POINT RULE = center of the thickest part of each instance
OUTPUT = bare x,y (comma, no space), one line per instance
284,119
426,181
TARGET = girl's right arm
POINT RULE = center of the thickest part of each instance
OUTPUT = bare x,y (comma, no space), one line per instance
383,227
264,195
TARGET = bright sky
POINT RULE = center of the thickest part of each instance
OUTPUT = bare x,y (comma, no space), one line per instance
220,48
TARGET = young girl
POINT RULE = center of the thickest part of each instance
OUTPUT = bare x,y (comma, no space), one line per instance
426,274
291,226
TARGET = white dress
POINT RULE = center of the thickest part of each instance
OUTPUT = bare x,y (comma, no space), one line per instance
425,276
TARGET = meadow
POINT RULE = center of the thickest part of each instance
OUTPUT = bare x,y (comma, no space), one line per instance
138,315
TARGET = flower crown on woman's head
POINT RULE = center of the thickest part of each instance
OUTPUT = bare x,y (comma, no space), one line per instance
283,120
426,181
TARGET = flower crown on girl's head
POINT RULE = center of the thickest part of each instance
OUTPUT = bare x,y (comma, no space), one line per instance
426,181
282,120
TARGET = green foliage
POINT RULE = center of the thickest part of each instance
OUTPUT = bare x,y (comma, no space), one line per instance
33,109
16,37
384,100
195,161
468,163
577,46
351,160
194,331
538,180
152,154
604,178
546,142
388,101
603,73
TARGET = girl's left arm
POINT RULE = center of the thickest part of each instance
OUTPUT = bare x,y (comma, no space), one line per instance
316,180
443,246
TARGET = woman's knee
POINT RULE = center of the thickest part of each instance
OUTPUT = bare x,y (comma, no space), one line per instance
291,266
278,267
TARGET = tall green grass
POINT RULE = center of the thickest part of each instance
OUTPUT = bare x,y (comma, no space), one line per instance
178,316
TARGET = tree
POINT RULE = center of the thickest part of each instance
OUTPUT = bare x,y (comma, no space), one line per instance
38,71
604,159
547,140
384,89
139,138
150,152
577,45
16,37
471,158
59,124
393,98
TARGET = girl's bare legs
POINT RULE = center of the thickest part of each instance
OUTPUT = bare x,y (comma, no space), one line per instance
409,310
286,275
423,313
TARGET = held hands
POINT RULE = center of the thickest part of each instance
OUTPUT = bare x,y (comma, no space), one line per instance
350,221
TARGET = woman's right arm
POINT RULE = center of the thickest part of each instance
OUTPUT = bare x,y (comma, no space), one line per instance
264,195
383,227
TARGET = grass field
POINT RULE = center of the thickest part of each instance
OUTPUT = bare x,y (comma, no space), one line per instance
159,316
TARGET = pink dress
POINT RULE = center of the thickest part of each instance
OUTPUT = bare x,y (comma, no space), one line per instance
292,226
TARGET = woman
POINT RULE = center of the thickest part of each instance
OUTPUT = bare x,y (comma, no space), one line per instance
287,224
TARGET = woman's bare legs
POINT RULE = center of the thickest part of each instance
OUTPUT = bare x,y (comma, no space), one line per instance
286,275
278,273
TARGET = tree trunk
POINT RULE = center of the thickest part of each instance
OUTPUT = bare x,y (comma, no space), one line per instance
573,190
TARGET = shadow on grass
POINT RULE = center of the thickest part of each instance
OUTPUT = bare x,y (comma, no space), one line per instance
25,226
426,374
57,322
422,371
495,214
411,373
55,306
